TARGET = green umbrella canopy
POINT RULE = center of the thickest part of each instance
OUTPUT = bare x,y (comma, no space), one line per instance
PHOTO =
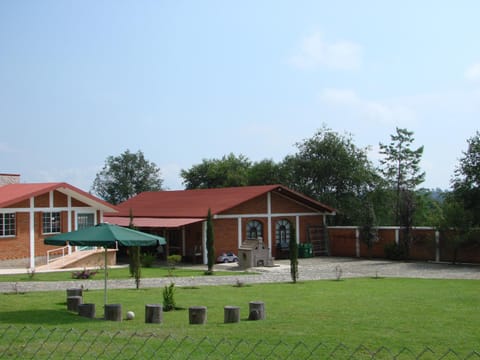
105,235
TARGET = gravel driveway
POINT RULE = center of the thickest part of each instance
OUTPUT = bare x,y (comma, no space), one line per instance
309,269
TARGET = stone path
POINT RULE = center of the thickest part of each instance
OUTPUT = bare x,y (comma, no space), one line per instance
309,269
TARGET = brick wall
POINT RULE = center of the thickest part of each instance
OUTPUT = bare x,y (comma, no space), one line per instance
424,247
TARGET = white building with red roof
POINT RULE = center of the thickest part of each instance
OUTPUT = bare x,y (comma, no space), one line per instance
31,212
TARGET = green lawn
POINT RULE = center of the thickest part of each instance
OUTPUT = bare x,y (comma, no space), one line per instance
394,313
116,273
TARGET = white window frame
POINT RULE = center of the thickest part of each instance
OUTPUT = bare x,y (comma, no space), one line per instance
51,226
3,228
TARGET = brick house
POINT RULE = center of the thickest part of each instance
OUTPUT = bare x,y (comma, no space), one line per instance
269,212
30,212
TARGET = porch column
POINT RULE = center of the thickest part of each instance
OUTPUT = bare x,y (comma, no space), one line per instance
69,220
269,222
32,232
239,231
184,251
297,228
357,242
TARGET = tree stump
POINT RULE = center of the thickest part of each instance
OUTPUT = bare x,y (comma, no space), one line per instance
231,314
73,302
75,292
197,314
153,314
256,310
87,310
113,312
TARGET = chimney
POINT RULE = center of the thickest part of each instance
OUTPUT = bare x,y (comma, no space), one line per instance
6,179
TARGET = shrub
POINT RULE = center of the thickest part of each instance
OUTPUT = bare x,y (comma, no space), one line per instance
395,251
172,261
169,297
84,274
147,260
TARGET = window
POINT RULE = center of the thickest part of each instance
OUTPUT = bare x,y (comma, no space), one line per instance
283,228
85,220
7,224
254,230
51,222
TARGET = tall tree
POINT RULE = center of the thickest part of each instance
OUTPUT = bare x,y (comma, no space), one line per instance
330,168
265,172
466,181
457,225
228,171
125,176
401,166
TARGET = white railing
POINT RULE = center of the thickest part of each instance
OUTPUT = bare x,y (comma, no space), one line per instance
56,254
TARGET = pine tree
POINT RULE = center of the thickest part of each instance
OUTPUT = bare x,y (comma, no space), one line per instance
210,243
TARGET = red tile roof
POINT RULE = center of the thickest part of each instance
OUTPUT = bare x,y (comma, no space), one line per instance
144,222
13,193
195,203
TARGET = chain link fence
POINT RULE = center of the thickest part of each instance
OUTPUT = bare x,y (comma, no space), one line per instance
46,343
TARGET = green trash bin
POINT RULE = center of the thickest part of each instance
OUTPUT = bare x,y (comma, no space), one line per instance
308,250
301,251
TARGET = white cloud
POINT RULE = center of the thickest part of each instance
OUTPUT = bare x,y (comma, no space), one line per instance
473,72
315,52
378,112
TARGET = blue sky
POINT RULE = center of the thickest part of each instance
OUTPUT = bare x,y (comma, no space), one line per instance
184,81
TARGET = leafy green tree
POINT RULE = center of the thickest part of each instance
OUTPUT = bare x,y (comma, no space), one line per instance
125,176
466,181
457,224
265,172
330,168
293,247
401,166
210,243
428,208
216,173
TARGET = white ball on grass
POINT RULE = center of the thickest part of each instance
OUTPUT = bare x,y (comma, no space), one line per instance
130,315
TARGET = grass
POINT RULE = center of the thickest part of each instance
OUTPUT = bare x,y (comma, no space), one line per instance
394,313
113,274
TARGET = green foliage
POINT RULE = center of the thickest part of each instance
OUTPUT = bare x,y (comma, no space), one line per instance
172,261
125,176
135,264
401,166
169,297
395,251
210,243
466,183
293,247
428,207
330,168
457,224
217,173
148,259
265,172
